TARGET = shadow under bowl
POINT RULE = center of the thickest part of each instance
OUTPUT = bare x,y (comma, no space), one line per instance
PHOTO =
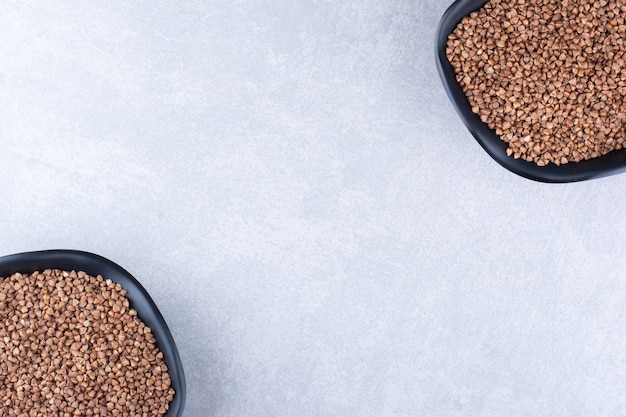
609,164
67,260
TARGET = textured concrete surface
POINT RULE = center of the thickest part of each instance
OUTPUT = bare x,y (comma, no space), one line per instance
322,234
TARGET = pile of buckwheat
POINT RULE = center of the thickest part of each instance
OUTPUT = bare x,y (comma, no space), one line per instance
549,76
71,346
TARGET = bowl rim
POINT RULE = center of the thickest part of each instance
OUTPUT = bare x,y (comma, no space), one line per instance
139,299
605,165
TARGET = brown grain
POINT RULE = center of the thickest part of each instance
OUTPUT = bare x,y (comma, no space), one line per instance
70,345
549,76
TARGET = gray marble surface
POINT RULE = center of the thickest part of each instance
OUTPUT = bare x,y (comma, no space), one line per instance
320,231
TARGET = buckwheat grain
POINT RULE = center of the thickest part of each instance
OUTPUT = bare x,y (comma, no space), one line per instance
549,76
70,345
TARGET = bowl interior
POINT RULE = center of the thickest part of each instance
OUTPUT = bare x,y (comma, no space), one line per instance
137,296
609,164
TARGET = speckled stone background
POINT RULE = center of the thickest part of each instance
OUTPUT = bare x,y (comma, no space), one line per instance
291,184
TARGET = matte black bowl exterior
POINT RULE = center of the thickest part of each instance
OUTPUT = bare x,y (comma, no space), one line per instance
612,163
139,299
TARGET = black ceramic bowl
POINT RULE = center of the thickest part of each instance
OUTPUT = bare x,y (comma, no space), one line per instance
609,164
137,296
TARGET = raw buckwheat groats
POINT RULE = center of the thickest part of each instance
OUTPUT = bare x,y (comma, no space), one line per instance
71,346
549,76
